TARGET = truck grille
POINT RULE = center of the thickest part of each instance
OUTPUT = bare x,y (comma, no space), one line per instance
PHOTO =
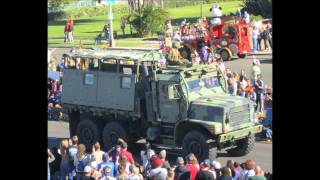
239,115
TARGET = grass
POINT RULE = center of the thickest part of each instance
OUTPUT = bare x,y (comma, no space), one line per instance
90,27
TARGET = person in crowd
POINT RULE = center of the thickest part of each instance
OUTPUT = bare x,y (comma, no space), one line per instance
123,25
94,172
204,54
66,33
259,174
165,162
225,174
72,151
70,32
259,86
174,57
204,173
216,167
247,171
169,28
269,37
265,36
146,154
158,172
231,84
191,167
238,13
235,173
134,173
107,175
114,152
260,34
81,160
255,71
65,160
97,152
106,161
255,33
183,23
176,36
246,17
124,152
51,158
87,173
106,30
181,172
170,173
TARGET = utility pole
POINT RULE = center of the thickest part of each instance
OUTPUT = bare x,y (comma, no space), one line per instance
201,7
110,17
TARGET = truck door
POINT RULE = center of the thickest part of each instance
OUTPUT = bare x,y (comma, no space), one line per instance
169,102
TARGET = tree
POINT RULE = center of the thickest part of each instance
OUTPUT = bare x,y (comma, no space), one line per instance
151,21
57,5
259,7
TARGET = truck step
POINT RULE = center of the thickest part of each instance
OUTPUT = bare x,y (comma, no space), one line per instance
166,136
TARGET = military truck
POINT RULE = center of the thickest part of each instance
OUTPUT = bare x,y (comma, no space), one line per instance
126,93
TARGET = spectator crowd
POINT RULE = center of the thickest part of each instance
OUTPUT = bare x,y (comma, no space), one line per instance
73,161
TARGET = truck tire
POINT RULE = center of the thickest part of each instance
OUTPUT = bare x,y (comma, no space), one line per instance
196,142
88,133
244,146
111,132
224,55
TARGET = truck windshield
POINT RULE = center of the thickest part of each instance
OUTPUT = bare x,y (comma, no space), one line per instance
206,82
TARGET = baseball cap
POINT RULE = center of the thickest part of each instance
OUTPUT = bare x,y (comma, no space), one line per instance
87,169
216,164
256,62
163,153
124,145
180,160
205,163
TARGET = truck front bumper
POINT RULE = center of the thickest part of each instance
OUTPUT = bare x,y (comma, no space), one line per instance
239,134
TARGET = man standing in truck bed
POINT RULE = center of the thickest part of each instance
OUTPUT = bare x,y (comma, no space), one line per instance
174,56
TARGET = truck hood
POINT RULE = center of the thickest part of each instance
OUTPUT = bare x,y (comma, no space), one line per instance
231,112
222,100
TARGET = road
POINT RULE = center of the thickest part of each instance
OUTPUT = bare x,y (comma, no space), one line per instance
262,154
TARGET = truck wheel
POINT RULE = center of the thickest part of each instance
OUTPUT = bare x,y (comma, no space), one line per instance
88,133
225,55
241,55
111,132
244,147
196,142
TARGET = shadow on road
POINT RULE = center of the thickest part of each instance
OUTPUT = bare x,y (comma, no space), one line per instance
266,61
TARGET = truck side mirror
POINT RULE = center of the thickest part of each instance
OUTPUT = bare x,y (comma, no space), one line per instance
172,92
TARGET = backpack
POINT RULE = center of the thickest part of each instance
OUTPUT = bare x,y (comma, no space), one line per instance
82,163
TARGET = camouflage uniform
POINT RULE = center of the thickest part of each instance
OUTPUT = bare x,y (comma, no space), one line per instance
174,56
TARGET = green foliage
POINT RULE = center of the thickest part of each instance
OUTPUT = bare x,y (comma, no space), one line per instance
259,7
152,20
86,11
57,5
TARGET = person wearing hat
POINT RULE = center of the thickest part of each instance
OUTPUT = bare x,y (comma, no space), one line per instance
191,166
87,173
158,172
124,152
106,162
174,56
146,154
204,173
181,172
165,162
215,167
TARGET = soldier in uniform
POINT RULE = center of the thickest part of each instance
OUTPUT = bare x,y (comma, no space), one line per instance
174,56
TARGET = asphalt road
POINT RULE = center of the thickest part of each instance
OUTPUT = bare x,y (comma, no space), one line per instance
262,154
